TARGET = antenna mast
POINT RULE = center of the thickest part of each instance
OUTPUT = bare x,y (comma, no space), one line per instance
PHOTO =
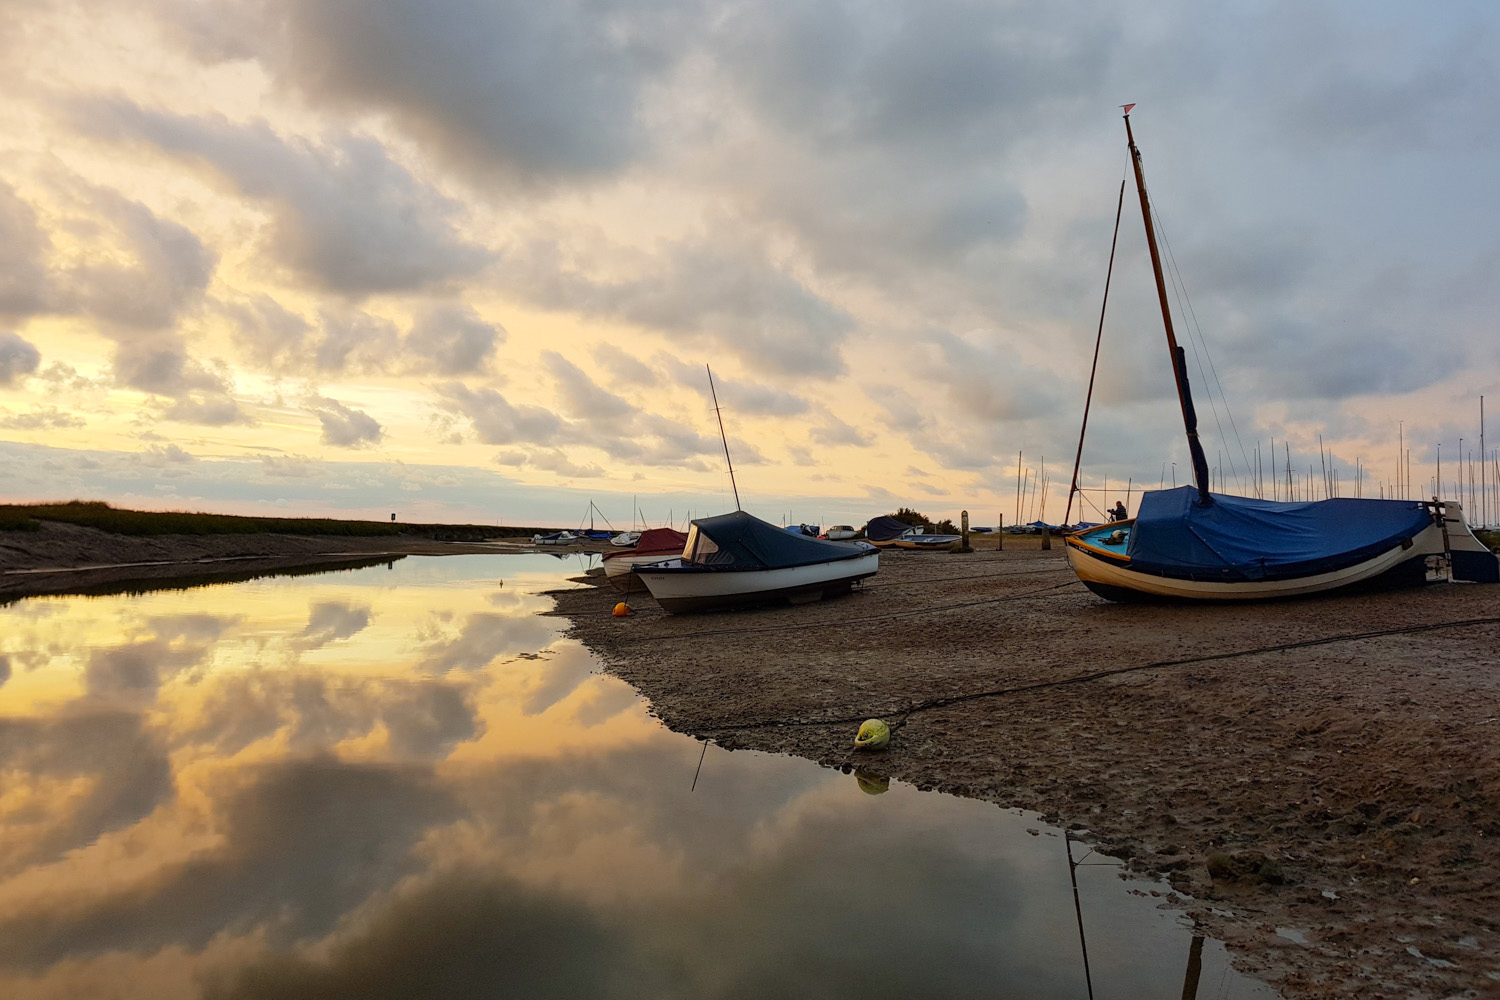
723,437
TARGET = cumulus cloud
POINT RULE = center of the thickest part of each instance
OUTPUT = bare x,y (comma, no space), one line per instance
495,419
18,358
162,456
165,271
347,217
345,427
724,292
451,340
40,418
23,249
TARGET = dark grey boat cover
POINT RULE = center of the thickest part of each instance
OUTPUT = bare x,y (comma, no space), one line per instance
883,529
741,541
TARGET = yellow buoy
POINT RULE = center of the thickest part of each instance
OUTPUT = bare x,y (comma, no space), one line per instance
873,733
622,609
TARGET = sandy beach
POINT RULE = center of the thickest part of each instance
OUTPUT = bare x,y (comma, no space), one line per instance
1321,776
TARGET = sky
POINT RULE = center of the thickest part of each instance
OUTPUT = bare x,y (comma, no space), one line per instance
468,259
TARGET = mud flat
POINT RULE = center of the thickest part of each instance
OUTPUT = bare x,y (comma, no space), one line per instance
1321,776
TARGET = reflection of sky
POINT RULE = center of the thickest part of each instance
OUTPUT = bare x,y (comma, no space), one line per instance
402,782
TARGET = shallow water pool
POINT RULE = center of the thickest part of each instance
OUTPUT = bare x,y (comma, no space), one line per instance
401,782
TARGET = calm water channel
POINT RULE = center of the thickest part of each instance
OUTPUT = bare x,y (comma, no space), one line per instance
401,782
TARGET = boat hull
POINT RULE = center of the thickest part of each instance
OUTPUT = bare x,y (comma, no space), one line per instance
617,569
1113,578
680,589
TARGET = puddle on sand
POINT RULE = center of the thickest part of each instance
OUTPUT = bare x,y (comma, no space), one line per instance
399,781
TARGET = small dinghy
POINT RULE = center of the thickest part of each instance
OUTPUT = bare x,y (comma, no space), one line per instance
923,542
626,539
734,560
883,531
653,546
840,533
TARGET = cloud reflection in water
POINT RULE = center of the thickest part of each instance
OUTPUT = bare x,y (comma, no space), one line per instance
405,806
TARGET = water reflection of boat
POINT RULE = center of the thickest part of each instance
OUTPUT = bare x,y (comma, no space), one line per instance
1190,543
654,546
737,559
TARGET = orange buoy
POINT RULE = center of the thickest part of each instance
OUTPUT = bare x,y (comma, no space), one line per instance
622,609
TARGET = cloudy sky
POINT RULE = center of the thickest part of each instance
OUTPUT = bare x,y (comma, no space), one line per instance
468,258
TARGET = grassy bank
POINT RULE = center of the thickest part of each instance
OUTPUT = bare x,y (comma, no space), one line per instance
101,516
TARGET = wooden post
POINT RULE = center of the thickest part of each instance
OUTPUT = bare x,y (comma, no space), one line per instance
1000,534
963,520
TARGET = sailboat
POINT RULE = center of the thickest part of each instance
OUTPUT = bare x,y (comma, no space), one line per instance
1191,543
736,559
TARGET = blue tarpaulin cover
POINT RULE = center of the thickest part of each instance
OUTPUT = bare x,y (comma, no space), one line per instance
1239,538
883,529
742,541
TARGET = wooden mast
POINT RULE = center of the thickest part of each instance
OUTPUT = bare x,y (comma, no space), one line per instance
1179,359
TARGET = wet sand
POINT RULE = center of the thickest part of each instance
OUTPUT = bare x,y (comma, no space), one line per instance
1346,792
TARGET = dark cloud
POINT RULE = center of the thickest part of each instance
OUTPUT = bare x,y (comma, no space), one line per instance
460,936
132,674
348,218
625,368
584,398
330,621
18,358
512,89
834,431
724,293
549,460
495,419
344,426
268,334
167,273
988,384
304,842
162,456
115,762
451,340
23,250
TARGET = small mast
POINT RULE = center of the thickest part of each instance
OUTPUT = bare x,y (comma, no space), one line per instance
1179,358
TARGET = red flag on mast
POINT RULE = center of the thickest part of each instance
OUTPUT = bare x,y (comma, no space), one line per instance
1127,107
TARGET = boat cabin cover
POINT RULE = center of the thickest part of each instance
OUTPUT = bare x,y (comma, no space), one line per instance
740,541
1241,538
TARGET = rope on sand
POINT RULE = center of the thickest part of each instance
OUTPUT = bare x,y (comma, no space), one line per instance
931,703
840,622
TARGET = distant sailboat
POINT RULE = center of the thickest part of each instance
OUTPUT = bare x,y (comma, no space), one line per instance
737,559
1190,543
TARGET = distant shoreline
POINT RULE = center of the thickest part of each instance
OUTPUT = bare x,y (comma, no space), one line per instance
93,548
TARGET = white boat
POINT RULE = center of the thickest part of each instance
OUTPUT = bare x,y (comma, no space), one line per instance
735,559
918,539
626,539
1190,543
840,533
655,545
554,538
